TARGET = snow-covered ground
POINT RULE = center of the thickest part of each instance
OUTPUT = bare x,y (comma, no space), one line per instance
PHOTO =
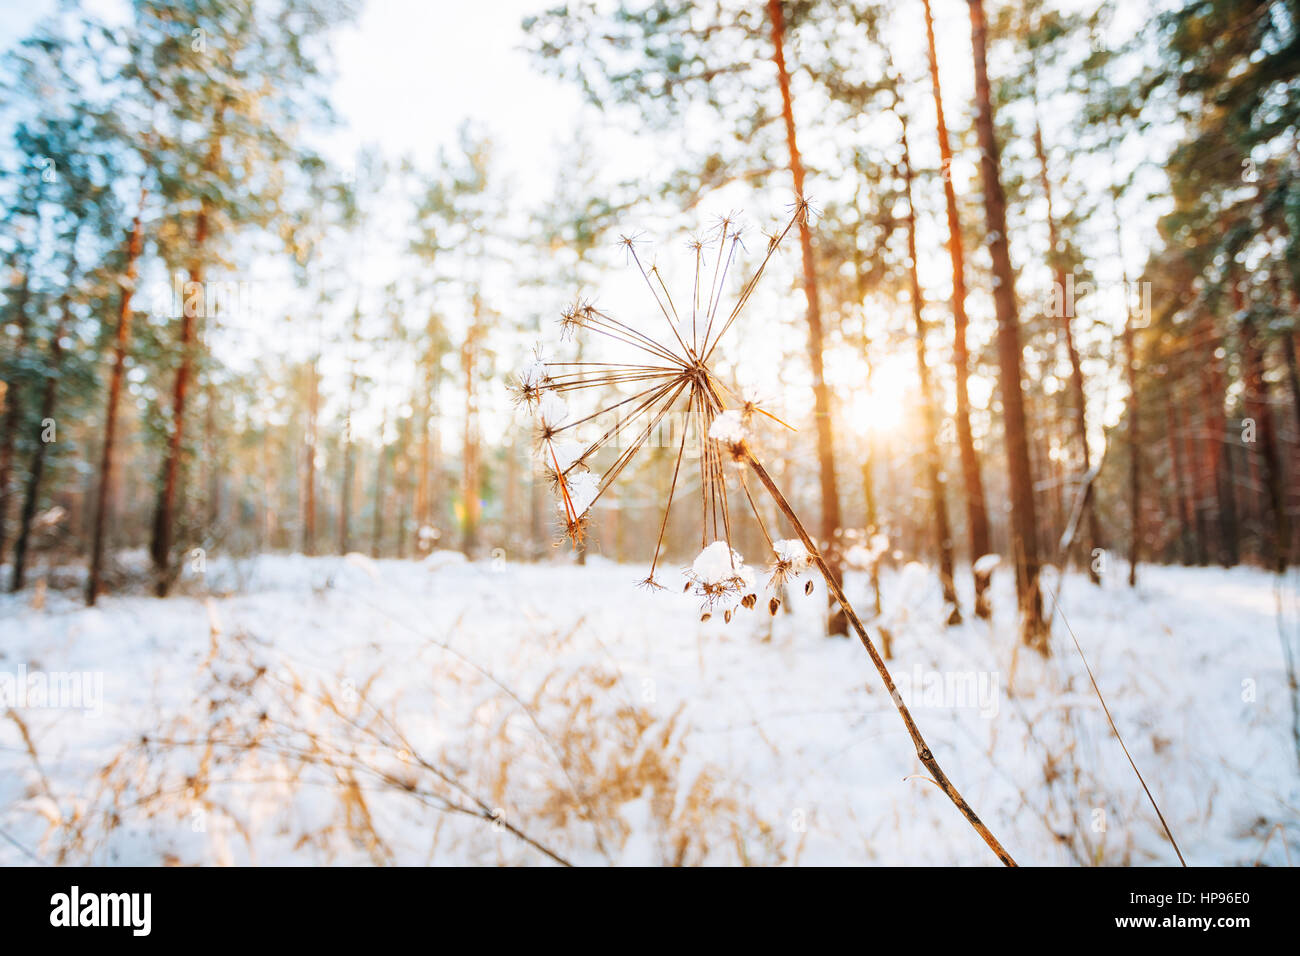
313,710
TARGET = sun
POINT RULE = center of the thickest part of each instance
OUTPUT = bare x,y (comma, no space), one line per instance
880,407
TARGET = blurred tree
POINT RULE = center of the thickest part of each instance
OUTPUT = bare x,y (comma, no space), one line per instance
1035,627
117,376
244,77
455,213
976,513
324,206
1047,42
76,209
869,84
1225,72
22,223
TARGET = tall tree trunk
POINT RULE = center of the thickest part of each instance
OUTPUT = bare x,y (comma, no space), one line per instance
830,511
381,454
929,411
1228,551
1202,477
1200,497
437,502
423,403
1232,484
165,510
49,395
1290,342
873,526
13,409
161,544
1134,423
1065,300
872,520
470,450
976,511
1259,409
211,458
1035,628
1134,449
266,525
309,458
402,483
121,343
345,482
1182,498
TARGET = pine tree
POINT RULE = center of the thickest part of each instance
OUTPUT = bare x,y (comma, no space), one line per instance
117,375
976,512
1024,538
245,77
72,145
831,523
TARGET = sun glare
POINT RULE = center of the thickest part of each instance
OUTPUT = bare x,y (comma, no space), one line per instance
881,407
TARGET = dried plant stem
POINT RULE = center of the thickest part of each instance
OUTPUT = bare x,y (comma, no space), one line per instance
922,748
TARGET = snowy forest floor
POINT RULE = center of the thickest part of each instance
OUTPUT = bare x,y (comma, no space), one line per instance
291,710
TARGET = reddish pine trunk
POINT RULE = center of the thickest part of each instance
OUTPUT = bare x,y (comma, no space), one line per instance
1265,446
1289,344
1035,628
161,545
122,341
976,513
1219,463
1199,478
377,532
933,463
830,526
1182,498
1135,451
165,512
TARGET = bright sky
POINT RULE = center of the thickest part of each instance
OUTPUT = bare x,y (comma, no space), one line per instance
411,70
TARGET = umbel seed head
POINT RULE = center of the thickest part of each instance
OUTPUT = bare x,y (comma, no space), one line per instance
667,372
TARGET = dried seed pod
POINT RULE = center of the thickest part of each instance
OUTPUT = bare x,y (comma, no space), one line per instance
726,616
705,616
749,600
772,605
687,588
808,588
